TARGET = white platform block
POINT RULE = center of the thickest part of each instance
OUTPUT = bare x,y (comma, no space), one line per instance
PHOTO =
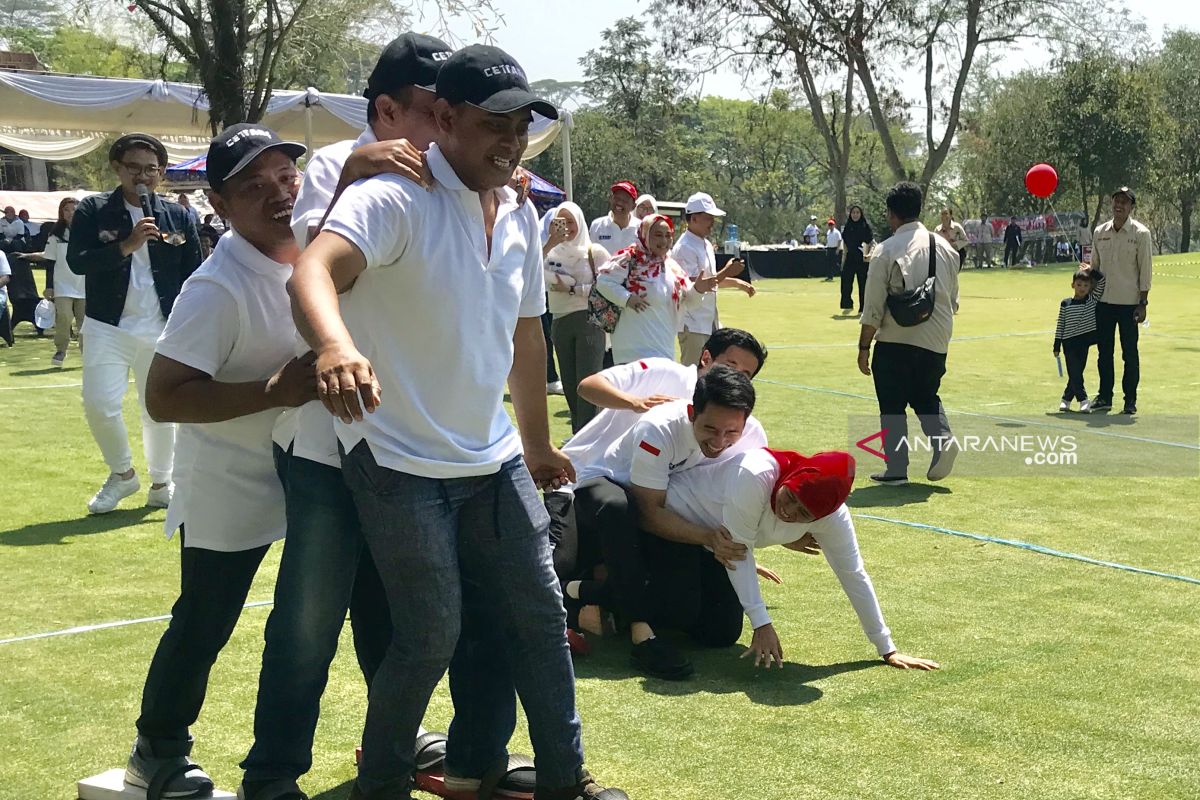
111,786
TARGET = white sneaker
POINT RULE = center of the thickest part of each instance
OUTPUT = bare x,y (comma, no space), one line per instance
943,461
1065,405
554,388
1085,406
58,359
114,490
160,497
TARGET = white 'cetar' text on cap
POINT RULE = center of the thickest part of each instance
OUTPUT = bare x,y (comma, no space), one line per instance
702,202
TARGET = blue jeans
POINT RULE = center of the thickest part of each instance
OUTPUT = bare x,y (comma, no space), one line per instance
325,569
470,557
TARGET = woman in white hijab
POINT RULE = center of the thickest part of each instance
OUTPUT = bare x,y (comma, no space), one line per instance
571,263
645,206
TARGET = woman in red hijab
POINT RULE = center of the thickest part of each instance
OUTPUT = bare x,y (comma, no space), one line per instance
779,497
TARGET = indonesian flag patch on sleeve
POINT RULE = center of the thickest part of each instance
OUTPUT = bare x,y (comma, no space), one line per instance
649,448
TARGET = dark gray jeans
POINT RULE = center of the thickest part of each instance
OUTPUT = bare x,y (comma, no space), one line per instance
580,348
465,557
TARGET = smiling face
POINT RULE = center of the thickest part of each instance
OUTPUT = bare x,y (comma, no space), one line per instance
738,358
138,166
658,239
258,201
788,507
717,428
644,209
856,213
620,203
484,148
1122,207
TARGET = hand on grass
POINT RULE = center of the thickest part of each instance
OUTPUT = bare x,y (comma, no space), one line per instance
901,661
769,574
765,647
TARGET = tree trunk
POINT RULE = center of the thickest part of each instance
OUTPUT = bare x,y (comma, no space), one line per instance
1186,204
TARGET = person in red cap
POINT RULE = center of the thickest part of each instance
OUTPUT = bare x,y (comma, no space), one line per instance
617,229
767,497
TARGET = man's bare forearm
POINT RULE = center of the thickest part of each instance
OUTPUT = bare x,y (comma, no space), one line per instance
315,306
596,390
527,384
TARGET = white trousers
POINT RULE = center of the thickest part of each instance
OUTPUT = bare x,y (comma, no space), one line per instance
110,354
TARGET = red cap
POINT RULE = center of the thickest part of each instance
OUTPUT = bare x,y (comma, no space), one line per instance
627,187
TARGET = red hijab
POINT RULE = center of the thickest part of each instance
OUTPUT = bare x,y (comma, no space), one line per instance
822,481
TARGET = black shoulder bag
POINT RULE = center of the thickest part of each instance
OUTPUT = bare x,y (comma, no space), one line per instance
916,305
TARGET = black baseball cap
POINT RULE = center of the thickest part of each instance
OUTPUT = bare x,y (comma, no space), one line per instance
234,148
491,79
1125,190
411,59
131,140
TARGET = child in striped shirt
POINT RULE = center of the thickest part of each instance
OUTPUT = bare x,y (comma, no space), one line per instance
1076,332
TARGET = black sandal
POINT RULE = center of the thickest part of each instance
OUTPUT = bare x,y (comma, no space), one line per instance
429,752
515,779
281,789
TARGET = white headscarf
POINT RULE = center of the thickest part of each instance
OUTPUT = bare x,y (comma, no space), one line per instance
578,247
646,198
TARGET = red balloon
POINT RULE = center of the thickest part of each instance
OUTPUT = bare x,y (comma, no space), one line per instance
1041,180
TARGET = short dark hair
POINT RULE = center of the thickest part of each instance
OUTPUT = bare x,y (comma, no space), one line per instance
725,338
723,386
905,200
402,96
1083,275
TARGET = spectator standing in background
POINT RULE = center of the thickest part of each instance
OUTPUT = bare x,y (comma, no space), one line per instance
63,287
1085,240
954,233
5,319
619,228
833,248
186,203
695,253
856,233
812,231
1012,243
11,226
645,206
1123,250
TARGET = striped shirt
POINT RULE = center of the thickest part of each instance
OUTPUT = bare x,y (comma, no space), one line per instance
1078,317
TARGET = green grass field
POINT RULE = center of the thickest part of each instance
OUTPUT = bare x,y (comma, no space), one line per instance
1060,679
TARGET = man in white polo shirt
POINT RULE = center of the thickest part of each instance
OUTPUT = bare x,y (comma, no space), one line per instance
326,567
223,369
695,253
448,295
620,510
617,229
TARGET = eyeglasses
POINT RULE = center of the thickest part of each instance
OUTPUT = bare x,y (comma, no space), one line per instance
149,170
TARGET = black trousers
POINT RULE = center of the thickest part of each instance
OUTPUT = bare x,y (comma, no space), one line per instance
1075,353
1110,319
834,261
855,269
213,590
1010,253
906,375
650,579
6,324
551,372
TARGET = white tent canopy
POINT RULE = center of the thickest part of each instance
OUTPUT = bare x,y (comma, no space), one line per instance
59,117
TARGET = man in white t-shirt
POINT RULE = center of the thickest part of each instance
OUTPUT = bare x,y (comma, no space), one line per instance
812,232
448,295
326,568
695,253
621,513
833,248
135,250
617,229
11,226
223,368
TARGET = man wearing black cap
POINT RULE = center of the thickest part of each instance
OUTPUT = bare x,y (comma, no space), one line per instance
326,566
1122,249
223,369
135,250
448,292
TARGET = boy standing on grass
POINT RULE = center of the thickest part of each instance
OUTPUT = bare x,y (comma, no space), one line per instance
1076,332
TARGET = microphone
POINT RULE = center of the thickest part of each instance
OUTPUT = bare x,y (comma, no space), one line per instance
144,197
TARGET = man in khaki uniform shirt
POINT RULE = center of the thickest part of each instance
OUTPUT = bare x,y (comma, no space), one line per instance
1122,250
909,362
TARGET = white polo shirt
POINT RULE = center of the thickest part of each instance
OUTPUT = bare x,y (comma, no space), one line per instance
435,315
232,321
699,260
66,283
611,236
642,378
736,493
660,444
308,430
833,238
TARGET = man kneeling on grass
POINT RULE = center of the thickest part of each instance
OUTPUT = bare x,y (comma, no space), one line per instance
223,367
765,497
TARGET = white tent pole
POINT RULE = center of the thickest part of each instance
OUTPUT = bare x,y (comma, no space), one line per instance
568,178
307,128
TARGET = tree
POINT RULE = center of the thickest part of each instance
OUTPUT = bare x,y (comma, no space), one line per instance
1178,167
239,49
